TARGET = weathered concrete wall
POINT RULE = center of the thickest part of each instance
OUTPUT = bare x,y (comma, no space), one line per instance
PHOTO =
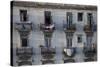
36,37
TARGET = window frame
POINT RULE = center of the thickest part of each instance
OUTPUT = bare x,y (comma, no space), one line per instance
69,18
47,42
79,38
24,42
89,18
80,16
23,15
69,42
47,17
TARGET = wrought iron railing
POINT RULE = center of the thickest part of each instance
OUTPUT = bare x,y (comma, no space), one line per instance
24,55
47,53
47,28
69,28
47,61
24,50
88,28
24,26
90,50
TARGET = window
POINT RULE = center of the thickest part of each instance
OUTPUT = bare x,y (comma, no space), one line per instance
47,42
89,40
80,16
79,38
69,19
89,18
69,37
24,42
69,42
47,17
23,15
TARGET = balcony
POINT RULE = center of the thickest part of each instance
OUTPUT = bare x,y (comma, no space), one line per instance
92,28
87,28
48,34
20,63
90,51
47,61
69,61
47,28
89,59
69,52
71,28
47,53
24,26
24,53
24,56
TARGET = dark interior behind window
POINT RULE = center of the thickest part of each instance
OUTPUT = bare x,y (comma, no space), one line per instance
23,15
24,42
80,16
47,17
79,38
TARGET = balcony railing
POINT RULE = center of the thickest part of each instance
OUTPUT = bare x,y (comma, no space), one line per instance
48,34
90,28
24,53
89,59
24,56
69,60
24,26
69,28
90,51
47,53
87,28
47,61
47,28
20,63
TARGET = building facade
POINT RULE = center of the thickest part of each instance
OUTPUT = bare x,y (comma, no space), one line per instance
52,33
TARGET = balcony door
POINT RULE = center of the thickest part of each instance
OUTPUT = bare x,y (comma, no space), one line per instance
89,41
69,42
69,19
23,15
47,15
24,42
90,18
69,37
47,42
